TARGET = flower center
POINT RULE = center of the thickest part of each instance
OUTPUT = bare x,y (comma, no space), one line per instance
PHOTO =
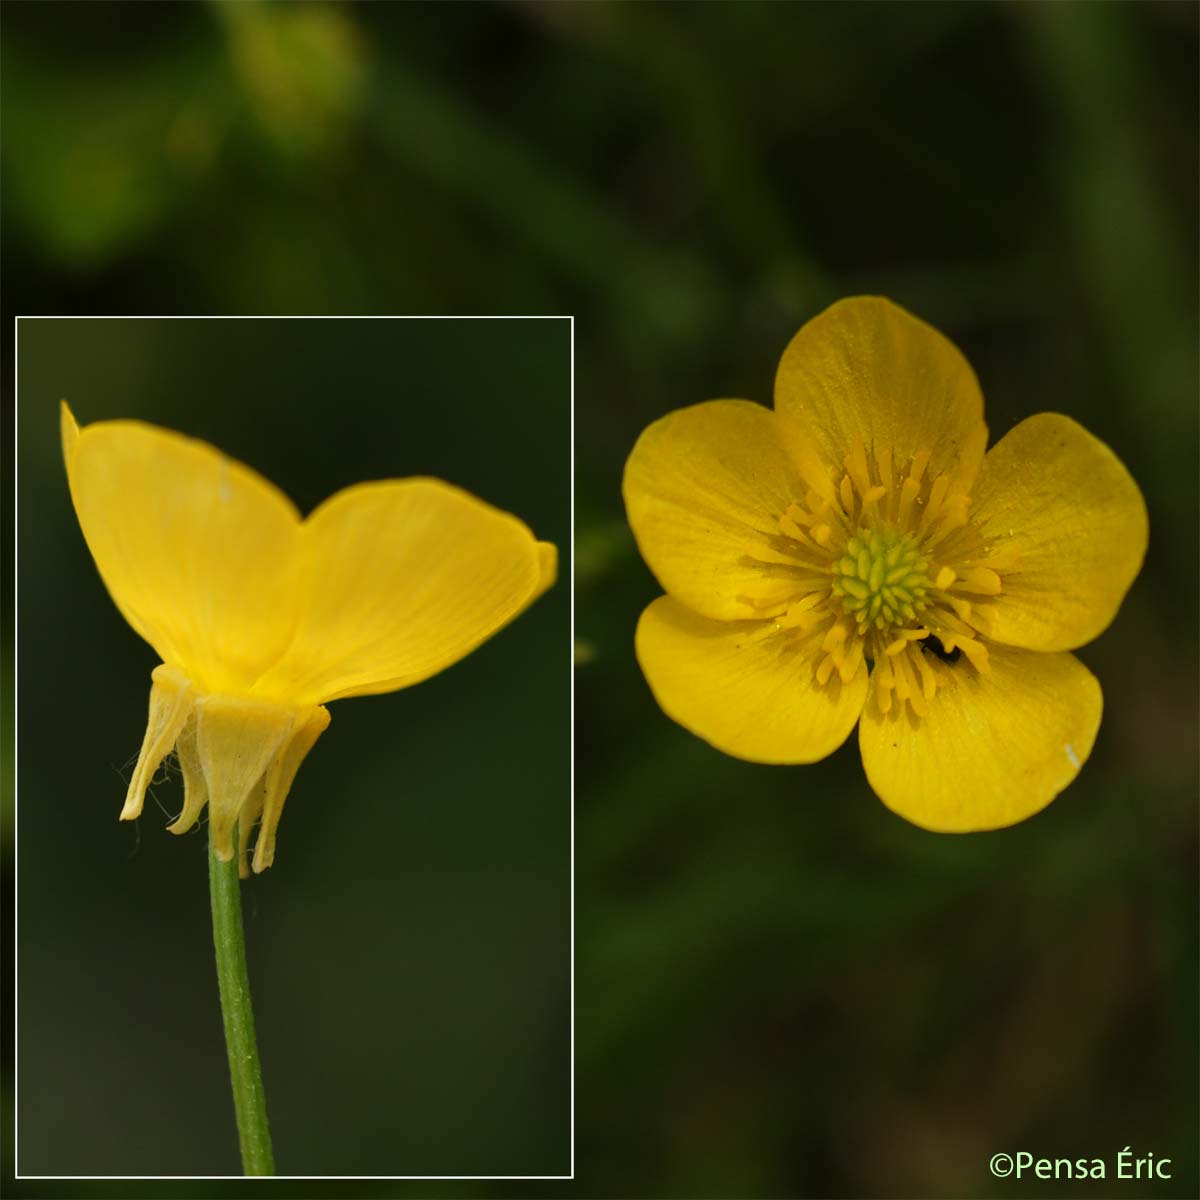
887,571
882,579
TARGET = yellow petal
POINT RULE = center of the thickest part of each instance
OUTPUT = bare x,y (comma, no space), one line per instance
745,687
1058,505
547,567
705,488
397,581
994,748
194,548
867,372
69,430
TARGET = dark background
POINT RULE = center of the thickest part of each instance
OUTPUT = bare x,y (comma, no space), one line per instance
782,990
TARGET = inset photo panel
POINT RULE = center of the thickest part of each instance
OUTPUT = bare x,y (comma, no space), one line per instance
320,561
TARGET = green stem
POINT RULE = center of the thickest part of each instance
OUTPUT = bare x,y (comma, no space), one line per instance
229,942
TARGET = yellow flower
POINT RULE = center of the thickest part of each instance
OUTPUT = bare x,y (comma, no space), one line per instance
261,618
854,556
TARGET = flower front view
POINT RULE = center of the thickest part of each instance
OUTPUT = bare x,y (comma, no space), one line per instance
261,618
855,556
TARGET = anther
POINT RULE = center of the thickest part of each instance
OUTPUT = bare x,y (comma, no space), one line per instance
846,491
982,580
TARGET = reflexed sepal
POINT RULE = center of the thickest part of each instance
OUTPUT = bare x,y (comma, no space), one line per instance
238,754
237,738
278,781
170,706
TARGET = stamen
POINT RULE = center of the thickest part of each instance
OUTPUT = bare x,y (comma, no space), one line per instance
952,624
887,559
798,535
976,653
920,461
933,506
856,464
851,661
928,678
906,636
904,684
846,491
1004,561
803,614
883,680
911,691
982,580
962,608
788,526
835,636
909,491
954,516
883,461
872,496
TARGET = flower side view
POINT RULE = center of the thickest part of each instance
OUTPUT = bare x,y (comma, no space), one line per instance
854,556
261,618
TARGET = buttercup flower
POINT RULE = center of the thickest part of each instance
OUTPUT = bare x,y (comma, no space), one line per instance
261,618
855,557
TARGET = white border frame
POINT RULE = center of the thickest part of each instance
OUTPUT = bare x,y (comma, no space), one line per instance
16,850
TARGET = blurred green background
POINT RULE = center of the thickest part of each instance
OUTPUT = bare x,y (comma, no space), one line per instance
782,989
